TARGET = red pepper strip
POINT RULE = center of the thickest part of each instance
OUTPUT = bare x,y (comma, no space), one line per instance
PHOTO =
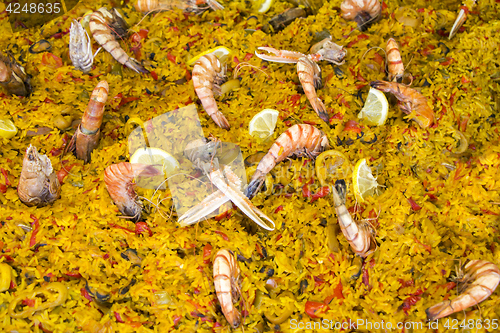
223,235
448,286
413,204
313,308
120,227
127,100
141,227
29,302
85,294
171,57
306,192
177,319
3,188
61,174
5,175
207,252
74,274
36,228
427,247
154,75
51,61
352,125
294,99
118,317
322,192
337,293
280,208
405,284
221,216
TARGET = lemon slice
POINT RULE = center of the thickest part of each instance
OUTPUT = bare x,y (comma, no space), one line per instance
376,108
262,6
263,124
221,52
363,181
7,128
332,163
156,157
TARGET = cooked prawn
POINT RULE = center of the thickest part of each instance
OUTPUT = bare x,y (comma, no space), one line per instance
310,78
462,17
227,285
208,75
300,139
86,137
38,184
363,12
395,64
357,234
410,101
479,282
105,27
119,183
13,77
193,6
80,47
329,51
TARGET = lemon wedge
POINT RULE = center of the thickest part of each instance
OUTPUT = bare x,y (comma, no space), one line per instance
262,6
263,124
363,181
221,52
376,108
156,157
7,128
334,163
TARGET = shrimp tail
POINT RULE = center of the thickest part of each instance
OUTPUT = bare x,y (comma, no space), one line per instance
255,184
220,120
438,310
134,65
320,109
382,85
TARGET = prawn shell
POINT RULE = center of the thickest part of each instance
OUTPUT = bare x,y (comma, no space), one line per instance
85,144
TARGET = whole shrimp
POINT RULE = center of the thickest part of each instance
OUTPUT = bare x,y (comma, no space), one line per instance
38,184
227,285
13,77
395,64
192,6
410,101
105,27
80,48
310,79
358,235
363,12
86,137
208,75
479,282
300,139
119,183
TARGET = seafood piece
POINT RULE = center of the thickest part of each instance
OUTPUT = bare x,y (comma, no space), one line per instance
13,77
41,46
283,56
86,137
462,16
80,47
410,101
208,75
227,182
310,79
192,6
227,285
363,12
105,27
477,284
119,183
282,20
38,184
329,51
298,140
357,234
395,64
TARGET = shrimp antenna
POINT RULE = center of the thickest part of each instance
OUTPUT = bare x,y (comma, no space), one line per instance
372,48
247,64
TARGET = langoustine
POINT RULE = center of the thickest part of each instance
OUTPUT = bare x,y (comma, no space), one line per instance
80,48
13,76
462,16
410,101
105,26
38,184
363,12
119,179
208,75
227,285
190,6
86,137
300,139
395,65
479,281
357,234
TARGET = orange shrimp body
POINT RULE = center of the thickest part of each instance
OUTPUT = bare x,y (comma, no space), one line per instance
395,64
409,100
103,26
363,12
119,183
226,282
86,137
301,139
13,77
208,75
146,6
480,281
38,184
310,78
